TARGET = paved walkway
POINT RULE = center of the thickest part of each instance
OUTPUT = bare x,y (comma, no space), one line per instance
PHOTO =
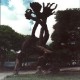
4,74
70,69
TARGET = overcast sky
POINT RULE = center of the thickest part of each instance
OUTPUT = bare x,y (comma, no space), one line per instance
12,14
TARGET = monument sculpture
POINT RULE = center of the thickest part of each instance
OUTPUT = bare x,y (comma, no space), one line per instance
39,17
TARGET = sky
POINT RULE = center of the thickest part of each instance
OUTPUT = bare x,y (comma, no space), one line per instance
12,14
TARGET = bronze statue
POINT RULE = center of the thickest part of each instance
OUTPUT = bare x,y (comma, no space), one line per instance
41,18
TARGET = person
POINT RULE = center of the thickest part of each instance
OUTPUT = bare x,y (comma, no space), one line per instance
18,63
2,56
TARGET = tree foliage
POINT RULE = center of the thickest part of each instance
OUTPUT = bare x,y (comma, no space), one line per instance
67,29
12,42
9,39
66,35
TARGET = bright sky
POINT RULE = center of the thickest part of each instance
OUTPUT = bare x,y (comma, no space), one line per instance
12,14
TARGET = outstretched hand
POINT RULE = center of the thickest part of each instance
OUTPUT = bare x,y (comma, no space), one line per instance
47,9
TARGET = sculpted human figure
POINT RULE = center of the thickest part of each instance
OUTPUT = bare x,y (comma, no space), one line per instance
41,18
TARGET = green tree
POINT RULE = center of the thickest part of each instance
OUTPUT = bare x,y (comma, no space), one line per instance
66,35
9,39
11,42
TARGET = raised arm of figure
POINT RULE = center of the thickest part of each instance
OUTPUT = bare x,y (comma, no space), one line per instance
47,11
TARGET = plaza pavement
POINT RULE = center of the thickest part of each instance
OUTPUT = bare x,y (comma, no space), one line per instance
5,74
8,73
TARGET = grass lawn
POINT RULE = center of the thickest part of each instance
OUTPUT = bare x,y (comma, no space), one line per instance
59,76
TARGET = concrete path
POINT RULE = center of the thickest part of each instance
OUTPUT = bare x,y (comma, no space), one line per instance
70,69
4,74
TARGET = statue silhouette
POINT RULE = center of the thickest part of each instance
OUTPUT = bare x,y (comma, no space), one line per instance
41,18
